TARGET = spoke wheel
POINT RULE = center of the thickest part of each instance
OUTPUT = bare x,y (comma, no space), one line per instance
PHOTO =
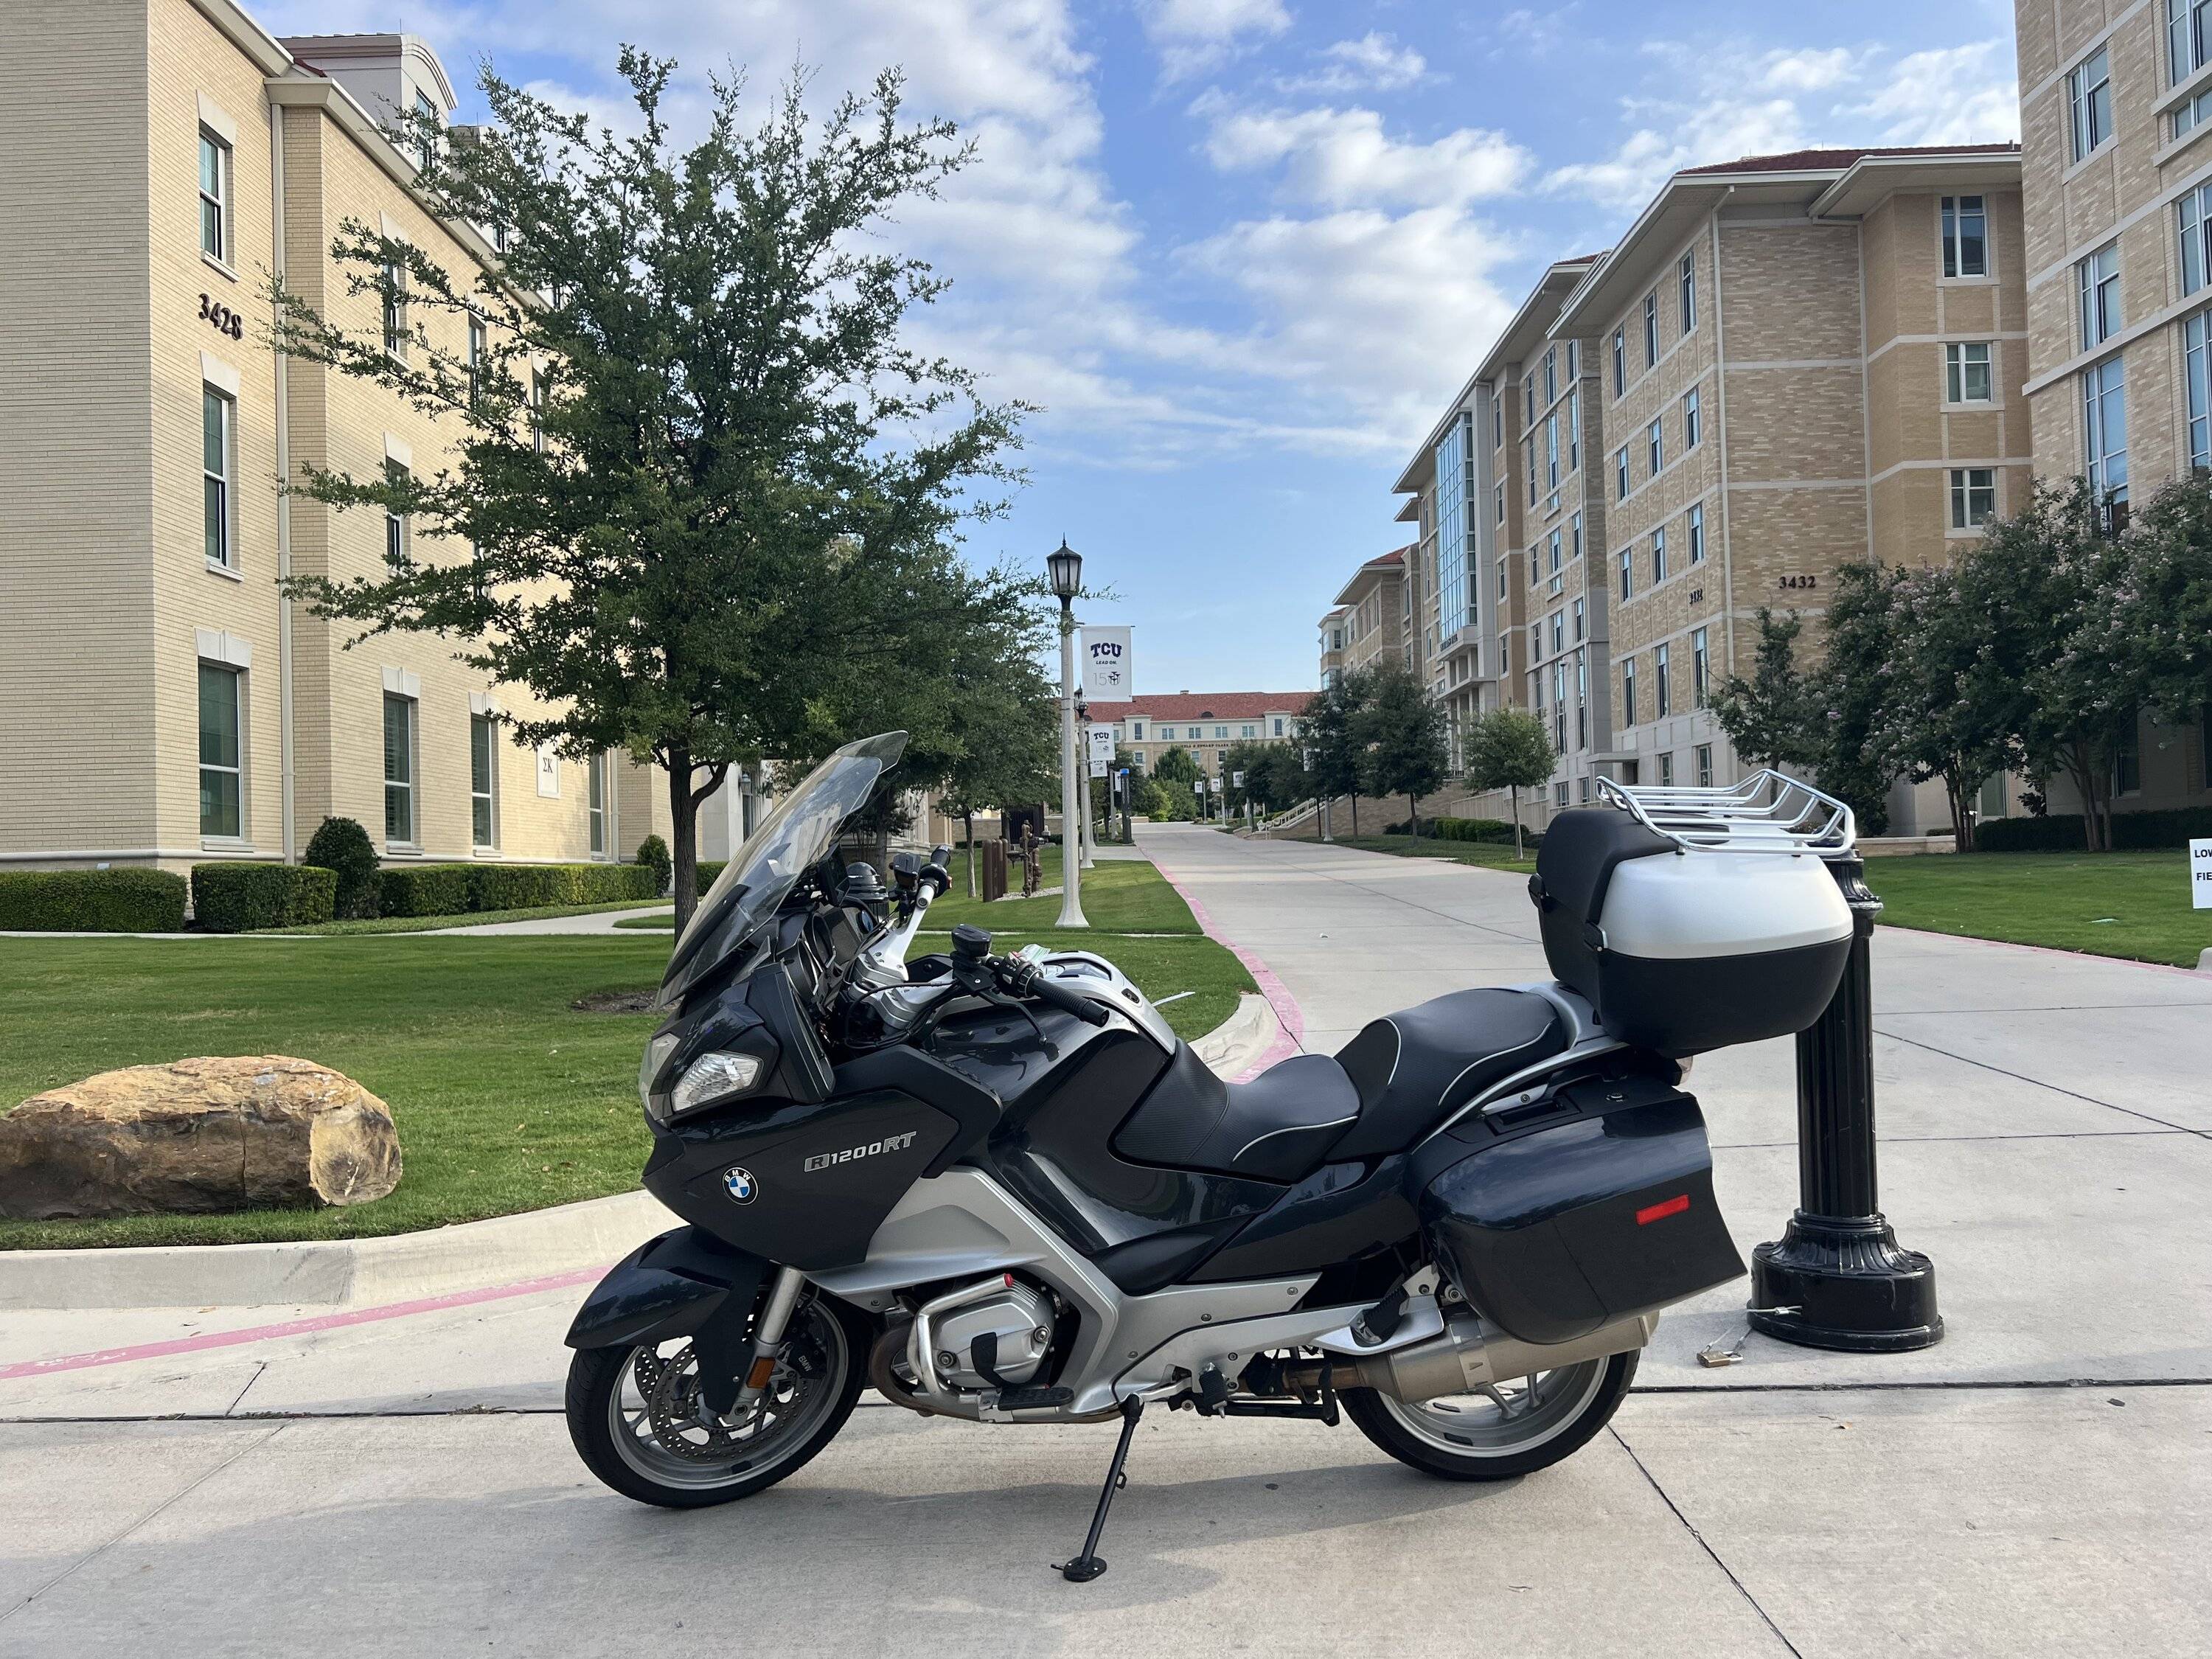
637,1421
1506,1430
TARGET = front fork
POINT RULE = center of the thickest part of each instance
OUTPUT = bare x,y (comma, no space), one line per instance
767,1341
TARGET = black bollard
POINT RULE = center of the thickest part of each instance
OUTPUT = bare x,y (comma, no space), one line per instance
1838,1278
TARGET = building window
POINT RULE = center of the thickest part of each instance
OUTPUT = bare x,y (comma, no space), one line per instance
1497,421
1666,771
1220,731
1628,573
2089,92
2097,284
478,344
214,197
1500,494
1698,534
2127,759
1628,691
393,289
1700,667
1620,475
595,773
1651,329
483,774
2188,38
1704,754
1574,431
397,538
1685,279
1581,701
1578,621
2195,355
1659,555
1559,632
1693,427
1559,715
218,454
1662,684
1555,546
1967,372
1552,451
1551,372
2104,410
426,140
1559,792
537,411
1966,237
1529,401
1532,470
2196,213
1973,497
1136,731
1251,731
1574,530
1278,725
1619,361
399,769
1655,440
221,772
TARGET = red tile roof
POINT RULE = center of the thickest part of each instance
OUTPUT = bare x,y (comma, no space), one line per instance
1818,161
1203,705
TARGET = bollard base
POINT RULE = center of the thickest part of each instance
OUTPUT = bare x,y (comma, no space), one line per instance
1846,1284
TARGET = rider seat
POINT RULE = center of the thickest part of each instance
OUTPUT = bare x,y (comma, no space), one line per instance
1413,1067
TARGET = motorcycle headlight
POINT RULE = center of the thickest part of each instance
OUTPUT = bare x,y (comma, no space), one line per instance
713,1076
648,1069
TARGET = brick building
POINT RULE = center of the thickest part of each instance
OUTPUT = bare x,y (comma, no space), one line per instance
1370,619
1208,724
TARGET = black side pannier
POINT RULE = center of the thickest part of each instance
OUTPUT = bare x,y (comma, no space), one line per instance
1589,1204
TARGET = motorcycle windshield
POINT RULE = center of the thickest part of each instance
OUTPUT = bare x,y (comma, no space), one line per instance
789,842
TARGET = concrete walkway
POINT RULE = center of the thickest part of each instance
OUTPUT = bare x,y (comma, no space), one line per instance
598,921
404,1484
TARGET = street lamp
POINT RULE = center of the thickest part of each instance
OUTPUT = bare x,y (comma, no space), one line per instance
1065,567
1083,736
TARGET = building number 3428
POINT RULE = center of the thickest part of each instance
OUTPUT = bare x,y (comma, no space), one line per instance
222,319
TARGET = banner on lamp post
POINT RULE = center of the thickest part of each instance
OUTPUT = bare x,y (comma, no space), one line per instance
1100,741
1108,665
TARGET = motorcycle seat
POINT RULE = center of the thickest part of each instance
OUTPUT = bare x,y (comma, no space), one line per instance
1277,1127
1412,1068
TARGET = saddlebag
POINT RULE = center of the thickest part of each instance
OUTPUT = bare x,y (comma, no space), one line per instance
1591,1203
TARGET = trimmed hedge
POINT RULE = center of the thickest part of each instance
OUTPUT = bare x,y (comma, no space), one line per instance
91,902
343,845
449,890
708,869
238,898
1494,830
652,853
2063,832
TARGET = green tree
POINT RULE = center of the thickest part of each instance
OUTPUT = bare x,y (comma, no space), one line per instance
1002,745
1508,748
1333,734
1402,733
1851,691
1174,771
1769,717
698,469
1934,725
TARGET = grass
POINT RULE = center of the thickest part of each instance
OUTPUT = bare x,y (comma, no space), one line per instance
2134,905
1120,896
664,923
469,919
1491,855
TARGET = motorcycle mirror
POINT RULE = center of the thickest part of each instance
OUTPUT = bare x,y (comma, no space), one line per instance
941,855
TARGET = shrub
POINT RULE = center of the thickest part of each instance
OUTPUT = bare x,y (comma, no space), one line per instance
2063,833
424,889
92,901
707,869
238,898
343,846
653,853
445,889
1474,829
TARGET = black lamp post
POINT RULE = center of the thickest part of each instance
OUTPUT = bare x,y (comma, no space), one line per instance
1064,565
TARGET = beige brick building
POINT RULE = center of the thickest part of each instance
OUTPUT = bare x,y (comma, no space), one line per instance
167,705
1371,617
1208,724
2116,112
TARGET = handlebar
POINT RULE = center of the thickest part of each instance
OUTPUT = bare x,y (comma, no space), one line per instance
1051,992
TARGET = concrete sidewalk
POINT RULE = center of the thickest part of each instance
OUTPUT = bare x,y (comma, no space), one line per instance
403,1485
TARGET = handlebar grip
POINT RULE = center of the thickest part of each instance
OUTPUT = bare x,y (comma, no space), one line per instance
1052,991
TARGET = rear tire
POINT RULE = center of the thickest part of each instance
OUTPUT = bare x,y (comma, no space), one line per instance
610,1418
1472,1437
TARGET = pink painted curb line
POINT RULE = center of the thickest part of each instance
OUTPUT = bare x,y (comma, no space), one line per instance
77,1361
1290,1038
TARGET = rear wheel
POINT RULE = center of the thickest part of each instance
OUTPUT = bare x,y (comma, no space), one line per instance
1510,1429
636,1419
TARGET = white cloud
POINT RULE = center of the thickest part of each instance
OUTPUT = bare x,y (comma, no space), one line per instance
1196,35
1343,158
1810,71
1956,95
1716,131
1374,62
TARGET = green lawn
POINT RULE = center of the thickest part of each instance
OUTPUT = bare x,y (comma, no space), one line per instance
477,918
2111,904
1121,895
1490,855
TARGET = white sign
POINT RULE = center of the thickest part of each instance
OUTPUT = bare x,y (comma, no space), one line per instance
1102,745
1217,785
1198,786
1238,779
1098,768
1107,666
2200,874
548,772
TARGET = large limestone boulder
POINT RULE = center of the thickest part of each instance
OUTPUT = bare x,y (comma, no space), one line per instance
246,1132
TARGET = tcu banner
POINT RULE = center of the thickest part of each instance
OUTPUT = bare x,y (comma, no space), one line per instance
1108,665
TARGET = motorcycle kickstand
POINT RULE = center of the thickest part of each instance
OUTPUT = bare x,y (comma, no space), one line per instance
1088,1565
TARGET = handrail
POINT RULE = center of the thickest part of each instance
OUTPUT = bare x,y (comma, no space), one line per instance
1766,812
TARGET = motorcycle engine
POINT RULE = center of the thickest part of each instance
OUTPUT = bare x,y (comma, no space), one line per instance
1018,1323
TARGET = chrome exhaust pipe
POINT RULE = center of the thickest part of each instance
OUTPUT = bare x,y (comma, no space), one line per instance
1466,1356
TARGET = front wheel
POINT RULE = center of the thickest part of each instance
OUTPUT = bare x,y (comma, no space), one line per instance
636,1421
1509,1429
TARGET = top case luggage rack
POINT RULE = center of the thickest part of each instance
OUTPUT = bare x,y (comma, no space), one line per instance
1766,812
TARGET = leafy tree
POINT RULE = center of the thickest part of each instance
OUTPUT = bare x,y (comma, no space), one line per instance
700,474
1769,717
1175,772
1401,732
1332,732
1932,725
1274,775
1508,748
1006,748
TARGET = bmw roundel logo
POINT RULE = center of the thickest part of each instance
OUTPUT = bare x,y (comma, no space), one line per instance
737,1182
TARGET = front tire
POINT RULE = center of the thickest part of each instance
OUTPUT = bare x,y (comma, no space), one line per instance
630,1412
1515,1429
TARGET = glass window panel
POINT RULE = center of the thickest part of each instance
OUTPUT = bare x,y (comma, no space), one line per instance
219,750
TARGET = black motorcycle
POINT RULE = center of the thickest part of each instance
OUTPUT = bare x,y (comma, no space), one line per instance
998,1188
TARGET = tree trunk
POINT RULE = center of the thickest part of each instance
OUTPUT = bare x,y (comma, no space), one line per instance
1414,811
684,836
969,819
1513,795
1355,815
2095,824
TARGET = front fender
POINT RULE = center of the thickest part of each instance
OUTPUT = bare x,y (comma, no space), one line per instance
670,1286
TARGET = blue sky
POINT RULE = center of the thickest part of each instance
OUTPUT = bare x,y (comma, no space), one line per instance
1242,250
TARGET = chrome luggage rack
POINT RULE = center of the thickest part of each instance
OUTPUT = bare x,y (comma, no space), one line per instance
1767,812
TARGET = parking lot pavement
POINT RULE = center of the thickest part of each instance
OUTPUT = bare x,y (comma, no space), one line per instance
2043,1479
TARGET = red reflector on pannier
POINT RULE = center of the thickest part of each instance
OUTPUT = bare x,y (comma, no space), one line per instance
1660,1211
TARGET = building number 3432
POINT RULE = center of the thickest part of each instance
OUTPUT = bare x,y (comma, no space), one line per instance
222,319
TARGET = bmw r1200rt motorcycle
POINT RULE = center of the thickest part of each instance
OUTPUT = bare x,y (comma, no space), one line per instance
998,1188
